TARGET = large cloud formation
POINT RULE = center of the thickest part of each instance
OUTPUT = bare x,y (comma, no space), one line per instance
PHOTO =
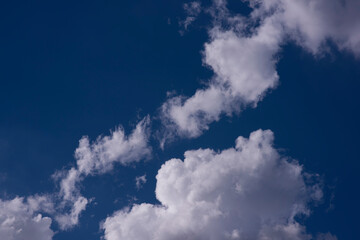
19,221
243,54
246,192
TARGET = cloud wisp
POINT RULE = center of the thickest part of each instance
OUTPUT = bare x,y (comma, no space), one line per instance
192,10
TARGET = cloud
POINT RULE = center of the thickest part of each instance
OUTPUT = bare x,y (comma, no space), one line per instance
249,191
97,158
311,23
243,51
192,9
244,69
246,192
140,181
100,156
18,220
68,220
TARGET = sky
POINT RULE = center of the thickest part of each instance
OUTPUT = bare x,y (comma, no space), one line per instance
173,120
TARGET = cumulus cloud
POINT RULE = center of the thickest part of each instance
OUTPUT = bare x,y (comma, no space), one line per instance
311,23
244,66
246,192
96,158
19,220
100,156
192,10
242,52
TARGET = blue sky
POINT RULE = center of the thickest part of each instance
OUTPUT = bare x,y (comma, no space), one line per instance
190,75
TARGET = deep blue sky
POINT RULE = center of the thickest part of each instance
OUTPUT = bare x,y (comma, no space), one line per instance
74,68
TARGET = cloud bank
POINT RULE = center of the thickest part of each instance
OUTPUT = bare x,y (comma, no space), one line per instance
246,192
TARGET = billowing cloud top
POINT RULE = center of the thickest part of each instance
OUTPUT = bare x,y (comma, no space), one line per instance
246,192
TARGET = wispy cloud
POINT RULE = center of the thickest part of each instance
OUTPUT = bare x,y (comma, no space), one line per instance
140,181
192,10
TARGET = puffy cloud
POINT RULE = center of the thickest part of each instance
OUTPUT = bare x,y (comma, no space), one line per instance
242,52
244,66
246,192
190,117
99,157
312,22
18,220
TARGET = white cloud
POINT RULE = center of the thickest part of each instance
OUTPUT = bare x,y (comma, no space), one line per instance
42,203
190,117
312,22
244,68
68,220
99,157
18,221
242,52
246,192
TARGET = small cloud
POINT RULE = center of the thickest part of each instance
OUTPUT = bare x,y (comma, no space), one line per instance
192,10
140,181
